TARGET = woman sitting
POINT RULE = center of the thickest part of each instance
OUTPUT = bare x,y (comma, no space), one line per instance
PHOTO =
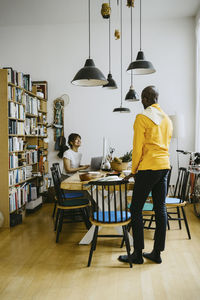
71,156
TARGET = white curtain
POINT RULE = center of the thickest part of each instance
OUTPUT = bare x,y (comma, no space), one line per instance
197,127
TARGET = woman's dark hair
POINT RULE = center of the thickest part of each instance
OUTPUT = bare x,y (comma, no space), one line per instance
72,137
62,146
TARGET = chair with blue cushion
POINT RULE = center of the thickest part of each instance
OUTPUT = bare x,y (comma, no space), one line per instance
178,201
110,210
68,204
67,194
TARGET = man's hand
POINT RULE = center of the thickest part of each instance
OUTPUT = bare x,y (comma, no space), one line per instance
129,176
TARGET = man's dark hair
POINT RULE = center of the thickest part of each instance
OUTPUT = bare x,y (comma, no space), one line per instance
150,93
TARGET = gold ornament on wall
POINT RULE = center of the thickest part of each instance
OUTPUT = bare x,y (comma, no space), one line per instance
130,3
105,10
117,34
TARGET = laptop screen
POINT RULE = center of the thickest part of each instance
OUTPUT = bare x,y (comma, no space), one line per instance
96,163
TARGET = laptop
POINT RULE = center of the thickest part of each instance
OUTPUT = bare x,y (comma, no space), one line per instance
95,164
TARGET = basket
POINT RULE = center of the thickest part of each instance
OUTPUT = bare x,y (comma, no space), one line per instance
119,166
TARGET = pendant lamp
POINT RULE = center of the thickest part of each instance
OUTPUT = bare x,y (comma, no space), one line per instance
141,66
111,82
132,95
121,109
89,75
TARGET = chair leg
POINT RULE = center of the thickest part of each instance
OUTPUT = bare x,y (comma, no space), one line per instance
151,221
54,209
57,217
59,227
128,228
168,218
86,218
186,223
179,217
126,239
93,245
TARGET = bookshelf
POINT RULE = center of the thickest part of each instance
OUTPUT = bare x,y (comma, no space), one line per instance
24,148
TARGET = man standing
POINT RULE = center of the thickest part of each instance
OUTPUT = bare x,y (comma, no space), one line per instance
150,166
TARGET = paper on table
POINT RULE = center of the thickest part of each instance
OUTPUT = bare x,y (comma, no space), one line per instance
110,178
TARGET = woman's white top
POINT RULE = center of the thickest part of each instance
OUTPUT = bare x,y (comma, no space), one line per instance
75,160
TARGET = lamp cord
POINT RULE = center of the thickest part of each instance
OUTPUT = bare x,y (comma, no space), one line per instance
109,43
140,25
89,24
121,48
131,43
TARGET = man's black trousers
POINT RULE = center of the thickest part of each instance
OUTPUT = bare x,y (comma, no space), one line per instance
145,182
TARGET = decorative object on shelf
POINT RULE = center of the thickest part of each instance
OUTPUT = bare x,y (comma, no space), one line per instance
106,10
41,87
111,82
120,164
131,95
130,3
141,66
121,109
89,75
58,108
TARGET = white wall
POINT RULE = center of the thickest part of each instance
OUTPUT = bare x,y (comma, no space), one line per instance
56,52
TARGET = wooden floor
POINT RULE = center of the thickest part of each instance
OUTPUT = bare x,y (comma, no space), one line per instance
33,266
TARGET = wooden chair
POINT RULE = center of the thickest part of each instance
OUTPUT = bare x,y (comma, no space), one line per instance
178,201
111,210
67,204
67,194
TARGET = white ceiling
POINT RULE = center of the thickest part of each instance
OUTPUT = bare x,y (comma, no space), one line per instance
33,12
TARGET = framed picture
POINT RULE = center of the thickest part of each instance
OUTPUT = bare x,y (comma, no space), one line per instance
42,86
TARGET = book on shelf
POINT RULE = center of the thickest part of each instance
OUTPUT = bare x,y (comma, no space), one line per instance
10,74
15,144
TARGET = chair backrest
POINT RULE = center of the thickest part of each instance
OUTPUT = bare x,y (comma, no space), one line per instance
56,181
57,167
168,178
180,191
110,201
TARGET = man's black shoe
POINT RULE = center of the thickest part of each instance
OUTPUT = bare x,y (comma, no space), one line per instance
153,256
134,259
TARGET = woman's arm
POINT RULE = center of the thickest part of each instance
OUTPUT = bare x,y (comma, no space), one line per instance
68,169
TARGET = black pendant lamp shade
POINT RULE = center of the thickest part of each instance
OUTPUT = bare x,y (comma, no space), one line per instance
141,66
132,95
121,109
89,75
111,82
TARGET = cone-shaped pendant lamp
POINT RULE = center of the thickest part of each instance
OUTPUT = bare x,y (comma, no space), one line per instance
111,82
131,95
121,109
141,66
89,75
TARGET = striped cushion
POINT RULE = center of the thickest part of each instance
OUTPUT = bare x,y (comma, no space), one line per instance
112,216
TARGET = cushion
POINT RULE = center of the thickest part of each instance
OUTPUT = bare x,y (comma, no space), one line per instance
148,206
73,195
172,200
75,202
112,216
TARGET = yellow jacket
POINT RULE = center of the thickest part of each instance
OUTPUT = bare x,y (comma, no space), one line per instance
151,142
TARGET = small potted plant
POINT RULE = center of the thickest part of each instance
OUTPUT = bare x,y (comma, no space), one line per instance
120,164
